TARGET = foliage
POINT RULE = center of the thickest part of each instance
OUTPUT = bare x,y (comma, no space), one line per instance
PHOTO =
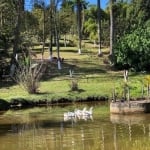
95,78
67,17
28,74
137,13
31,23
134,49
90,25
39,13
130,17
120,18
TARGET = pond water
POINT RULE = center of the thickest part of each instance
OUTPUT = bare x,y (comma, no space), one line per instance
45,129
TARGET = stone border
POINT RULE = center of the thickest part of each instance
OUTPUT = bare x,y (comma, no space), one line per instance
118,107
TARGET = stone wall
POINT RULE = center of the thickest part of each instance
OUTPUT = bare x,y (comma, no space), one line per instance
131,107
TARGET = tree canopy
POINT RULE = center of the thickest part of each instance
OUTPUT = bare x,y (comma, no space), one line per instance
48,22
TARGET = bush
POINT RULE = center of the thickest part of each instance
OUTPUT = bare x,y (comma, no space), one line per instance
134,49
74,85
28,76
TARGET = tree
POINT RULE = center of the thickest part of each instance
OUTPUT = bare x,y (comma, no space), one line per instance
92,25
120,22
79,25
43,47
67,20
99,25
131,26
40,13
51,9
80,5
134,49
57,33
55,22
6,23
19,8
137,13
31,24
111,2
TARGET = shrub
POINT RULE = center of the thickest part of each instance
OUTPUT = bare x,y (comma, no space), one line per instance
74,85
28,76
134,49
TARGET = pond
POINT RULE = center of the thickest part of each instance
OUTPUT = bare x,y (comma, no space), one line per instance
45,129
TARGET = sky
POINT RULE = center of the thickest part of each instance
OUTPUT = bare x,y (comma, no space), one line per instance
103,3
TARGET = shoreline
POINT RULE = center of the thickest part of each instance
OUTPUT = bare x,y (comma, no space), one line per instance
21,103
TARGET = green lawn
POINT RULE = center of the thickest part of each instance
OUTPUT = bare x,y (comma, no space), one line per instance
94,77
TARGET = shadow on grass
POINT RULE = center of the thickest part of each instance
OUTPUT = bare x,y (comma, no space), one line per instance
69,50
7,83
42,93
77,91
80,68
79,71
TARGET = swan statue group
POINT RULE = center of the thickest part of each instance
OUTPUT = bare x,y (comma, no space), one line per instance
79,114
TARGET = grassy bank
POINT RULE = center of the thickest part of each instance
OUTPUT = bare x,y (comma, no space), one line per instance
94,75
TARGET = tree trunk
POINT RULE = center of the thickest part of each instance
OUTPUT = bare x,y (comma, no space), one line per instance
51,31
19,12
1,19
79,25
17,33
43,46
99,25
56,20
111,27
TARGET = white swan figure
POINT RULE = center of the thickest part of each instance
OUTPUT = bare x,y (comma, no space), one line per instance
89,112
79,112
69,114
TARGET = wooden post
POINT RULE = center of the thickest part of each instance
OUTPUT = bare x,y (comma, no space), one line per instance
128,98
142,89
114,95
125,75
147,90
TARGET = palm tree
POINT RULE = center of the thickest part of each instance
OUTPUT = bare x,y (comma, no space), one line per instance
81,5
79,25
99,25
57,33
43,46
50,29
111,2
56,30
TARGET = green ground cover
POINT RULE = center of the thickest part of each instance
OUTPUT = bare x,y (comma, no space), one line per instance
94,75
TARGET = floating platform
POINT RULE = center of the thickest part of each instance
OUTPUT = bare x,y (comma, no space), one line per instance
125,107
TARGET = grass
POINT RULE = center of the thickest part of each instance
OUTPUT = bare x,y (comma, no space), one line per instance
95,78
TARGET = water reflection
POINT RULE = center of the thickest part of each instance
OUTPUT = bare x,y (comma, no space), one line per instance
137,132
78,118
79,114
129,119
46,129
